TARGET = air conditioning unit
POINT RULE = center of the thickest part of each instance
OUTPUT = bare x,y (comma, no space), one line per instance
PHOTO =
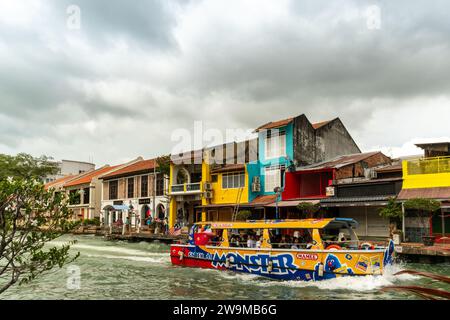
331,191
208,194
207,186
370,173
257,180
256,187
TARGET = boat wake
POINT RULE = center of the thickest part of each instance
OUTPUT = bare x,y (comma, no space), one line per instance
111,249
154,260
355,284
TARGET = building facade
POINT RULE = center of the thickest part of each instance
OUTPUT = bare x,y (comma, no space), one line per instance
427,178
293,143
136,191
85,193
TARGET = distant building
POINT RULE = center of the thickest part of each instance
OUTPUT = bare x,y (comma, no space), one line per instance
428,178
68,168
136,191
86,191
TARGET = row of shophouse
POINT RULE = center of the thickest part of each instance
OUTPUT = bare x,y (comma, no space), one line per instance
135,190
290,162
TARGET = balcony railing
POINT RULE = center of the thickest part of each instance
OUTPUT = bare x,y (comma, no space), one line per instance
428,166
186,188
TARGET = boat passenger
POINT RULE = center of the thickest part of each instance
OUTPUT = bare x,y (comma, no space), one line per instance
251,243
258,242
284,244
296,244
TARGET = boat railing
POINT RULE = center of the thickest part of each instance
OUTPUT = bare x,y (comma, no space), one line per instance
351,244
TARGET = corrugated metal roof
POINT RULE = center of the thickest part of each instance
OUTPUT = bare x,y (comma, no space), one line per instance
355,201
291,203
442,193
392,168
260,201
339,162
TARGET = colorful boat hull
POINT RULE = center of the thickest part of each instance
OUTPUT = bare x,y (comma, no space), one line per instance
298,265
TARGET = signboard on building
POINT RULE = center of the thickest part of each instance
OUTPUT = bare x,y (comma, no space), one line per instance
145,201
331,192
118,203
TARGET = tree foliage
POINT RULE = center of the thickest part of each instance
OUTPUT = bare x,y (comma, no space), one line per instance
30,217
425,205
424,209
163,163
393,210
26,166
243,215
308,209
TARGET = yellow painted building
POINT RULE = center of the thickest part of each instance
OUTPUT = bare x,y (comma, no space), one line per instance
215,197
427,178
426,173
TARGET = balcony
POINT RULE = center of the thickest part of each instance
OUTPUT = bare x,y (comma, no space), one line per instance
187,188
426,173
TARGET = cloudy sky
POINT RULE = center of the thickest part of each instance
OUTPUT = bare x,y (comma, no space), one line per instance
116,83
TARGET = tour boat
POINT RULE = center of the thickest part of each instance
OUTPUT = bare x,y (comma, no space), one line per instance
304,250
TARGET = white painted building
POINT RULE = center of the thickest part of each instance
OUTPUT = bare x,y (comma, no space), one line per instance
68,168
136,191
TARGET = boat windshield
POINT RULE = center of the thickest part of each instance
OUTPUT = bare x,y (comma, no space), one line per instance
291,238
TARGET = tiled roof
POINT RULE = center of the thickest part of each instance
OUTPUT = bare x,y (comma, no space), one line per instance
275,124
87,177
59,181
282,123
321,124
139,166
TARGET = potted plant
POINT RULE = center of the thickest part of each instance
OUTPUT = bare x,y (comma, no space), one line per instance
425,209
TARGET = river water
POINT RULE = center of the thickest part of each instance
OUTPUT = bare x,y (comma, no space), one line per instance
134,271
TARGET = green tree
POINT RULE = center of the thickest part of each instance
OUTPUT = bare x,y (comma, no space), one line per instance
30,217
308,209
163,163
26,166
393,210
424,209
243,215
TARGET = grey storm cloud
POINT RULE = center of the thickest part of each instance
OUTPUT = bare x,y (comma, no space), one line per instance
134,72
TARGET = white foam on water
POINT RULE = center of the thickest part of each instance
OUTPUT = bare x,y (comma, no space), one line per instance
110,249
162,260
349,283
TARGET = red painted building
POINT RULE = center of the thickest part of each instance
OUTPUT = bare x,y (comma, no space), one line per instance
308,184
311,182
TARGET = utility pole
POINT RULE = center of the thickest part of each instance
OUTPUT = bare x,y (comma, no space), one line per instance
154,190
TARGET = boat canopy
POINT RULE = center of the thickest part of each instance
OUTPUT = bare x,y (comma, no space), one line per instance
284,224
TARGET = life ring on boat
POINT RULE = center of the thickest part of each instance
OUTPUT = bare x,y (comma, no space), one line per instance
367,246
334,247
